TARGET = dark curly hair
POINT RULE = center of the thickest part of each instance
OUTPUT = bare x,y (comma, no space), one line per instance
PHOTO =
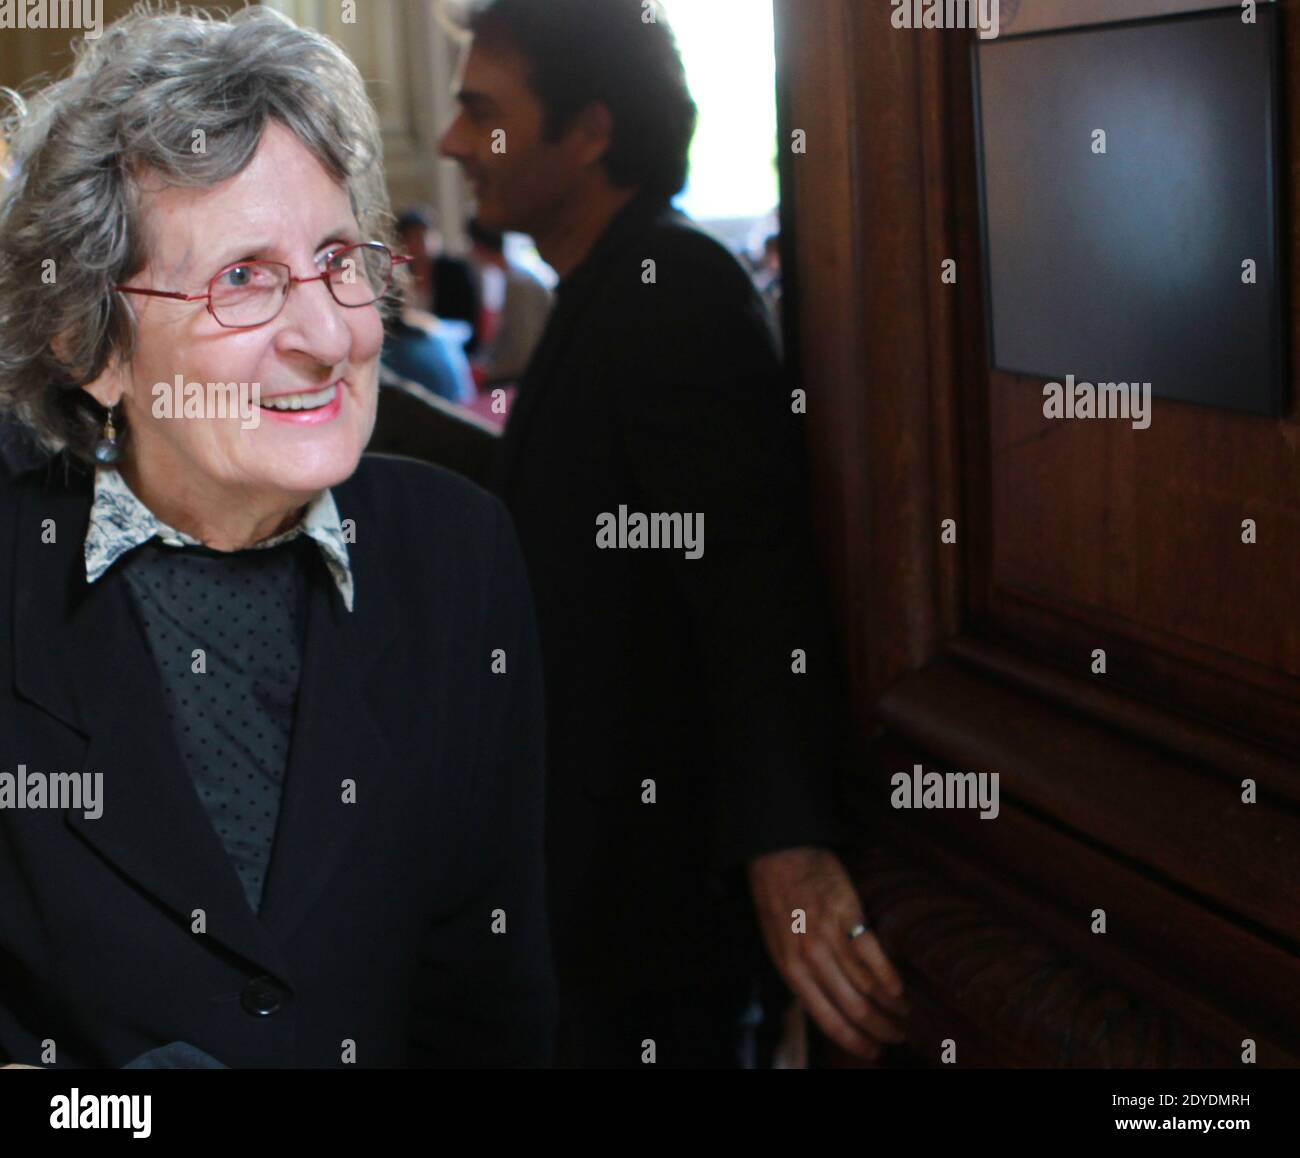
621,53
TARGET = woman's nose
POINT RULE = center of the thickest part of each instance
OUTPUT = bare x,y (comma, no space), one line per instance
316,324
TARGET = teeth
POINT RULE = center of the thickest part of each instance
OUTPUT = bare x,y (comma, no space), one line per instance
302,401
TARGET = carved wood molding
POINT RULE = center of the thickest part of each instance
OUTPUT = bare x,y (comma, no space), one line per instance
1006,995
1222,974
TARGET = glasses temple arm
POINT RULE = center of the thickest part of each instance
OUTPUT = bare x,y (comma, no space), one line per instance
152,293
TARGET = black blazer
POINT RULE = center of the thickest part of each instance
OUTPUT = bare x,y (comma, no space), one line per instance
657,386
377,921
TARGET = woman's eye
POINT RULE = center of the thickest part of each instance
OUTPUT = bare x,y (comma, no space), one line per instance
244,277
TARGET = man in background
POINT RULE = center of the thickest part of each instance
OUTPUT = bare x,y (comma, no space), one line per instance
692,714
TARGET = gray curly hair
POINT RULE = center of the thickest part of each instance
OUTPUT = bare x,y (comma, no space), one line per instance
132,104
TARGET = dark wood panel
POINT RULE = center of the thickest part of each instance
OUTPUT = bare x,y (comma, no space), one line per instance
1144,527
1177,819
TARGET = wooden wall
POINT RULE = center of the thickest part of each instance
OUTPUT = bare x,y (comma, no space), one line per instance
1121,791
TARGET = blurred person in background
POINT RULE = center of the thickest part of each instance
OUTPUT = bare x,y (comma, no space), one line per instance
419,348
522,306
690,755
442,285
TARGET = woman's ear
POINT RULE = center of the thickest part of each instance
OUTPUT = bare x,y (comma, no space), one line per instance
109,387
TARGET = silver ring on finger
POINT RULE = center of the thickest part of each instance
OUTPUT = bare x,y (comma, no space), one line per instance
857,931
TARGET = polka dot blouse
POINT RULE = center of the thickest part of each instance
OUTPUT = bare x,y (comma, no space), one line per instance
227,631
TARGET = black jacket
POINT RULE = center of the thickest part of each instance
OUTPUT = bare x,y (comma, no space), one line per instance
377,922
656,387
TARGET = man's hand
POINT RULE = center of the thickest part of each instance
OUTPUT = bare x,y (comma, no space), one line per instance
847,985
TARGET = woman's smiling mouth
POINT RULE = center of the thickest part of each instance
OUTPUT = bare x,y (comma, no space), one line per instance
306,407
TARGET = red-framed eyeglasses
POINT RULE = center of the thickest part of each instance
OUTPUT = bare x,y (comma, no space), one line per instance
248,294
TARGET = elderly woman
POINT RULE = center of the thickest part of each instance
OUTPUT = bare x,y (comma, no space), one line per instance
270,712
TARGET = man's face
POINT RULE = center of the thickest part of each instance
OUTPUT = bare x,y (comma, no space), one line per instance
519,180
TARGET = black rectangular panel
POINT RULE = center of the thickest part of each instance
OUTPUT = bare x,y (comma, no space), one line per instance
1128,265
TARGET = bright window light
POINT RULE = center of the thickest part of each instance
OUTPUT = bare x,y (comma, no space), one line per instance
728,47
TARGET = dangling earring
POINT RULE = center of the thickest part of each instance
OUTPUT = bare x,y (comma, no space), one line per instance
107,450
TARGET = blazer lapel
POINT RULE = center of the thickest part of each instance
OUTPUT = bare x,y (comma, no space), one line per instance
81,654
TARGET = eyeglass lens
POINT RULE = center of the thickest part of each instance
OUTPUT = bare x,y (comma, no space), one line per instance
254,293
